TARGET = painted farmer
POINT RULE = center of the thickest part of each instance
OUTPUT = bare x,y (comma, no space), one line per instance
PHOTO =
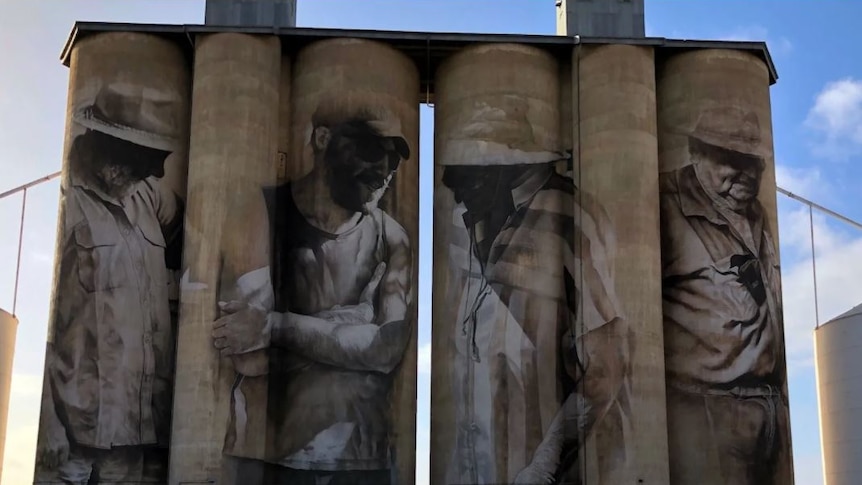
727,401
108,385
341,280
540,349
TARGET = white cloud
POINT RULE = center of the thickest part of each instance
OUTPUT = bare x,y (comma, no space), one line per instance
836,119
806,182
839,285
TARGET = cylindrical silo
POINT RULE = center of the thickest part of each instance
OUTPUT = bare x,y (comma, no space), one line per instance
525,309
220,405
724,332
345,268
109,366
838,355
616,157
8,329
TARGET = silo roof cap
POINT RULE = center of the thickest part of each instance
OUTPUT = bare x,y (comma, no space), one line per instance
853,312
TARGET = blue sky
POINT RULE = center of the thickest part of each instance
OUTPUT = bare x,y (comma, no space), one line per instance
817,118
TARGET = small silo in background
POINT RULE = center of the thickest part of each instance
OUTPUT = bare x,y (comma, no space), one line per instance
838,354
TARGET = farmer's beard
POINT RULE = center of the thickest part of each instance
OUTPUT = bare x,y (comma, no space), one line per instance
349,192
118,180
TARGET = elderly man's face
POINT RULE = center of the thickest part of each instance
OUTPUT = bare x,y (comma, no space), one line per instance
733,176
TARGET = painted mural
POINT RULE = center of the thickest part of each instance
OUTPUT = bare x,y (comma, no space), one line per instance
107,393
727,389
537,354
324,322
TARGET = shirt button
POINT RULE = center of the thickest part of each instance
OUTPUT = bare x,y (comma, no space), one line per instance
474,427
148,338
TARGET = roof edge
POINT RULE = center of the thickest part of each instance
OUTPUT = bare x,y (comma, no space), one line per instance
82,29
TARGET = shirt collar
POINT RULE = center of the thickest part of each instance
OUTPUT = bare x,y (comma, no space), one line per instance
531,183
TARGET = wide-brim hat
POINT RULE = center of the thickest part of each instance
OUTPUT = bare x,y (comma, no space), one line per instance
137,114
495,131
731,128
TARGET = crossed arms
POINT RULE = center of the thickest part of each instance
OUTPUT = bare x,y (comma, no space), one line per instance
370,335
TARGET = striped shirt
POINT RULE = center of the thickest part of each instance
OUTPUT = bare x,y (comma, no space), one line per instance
546,277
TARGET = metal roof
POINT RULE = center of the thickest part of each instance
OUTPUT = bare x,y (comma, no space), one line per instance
853,312
427,49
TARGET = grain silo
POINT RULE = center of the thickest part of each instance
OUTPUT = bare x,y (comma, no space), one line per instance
838,354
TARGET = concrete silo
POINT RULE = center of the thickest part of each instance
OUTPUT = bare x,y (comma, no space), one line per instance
8,329
837,346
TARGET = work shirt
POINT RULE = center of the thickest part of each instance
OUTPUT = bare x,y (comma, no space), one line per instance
513,360
112,342
722,295
331,414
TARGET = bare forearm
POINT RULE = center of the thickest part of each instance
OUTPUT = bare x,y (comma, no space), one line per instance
355,346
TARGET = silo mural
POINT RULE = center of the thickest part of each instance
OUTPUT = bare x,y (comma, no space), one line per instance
728,416
233,152
235,291
106,408
616,150
346,269
315,330
525,361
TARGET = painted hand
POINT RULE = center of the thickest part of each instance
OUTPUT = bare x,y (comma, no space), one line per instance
53,447
363,312
241,329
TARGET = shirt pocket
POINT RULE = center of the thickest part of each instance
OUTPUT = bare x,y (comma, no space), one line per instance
730,288
101,265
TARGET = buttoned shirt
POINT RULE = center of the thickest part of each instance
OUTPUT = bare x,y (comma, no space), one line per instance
721,286
546,277
112,341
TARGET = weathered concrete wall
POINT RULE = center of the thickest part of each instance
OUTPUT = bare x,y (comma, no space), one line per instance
495,106
617,161
8,329
114,301
528,327
724,334
233,153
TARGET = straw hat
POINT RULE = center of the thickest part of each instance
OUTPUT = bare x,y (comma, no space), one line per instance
136,114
